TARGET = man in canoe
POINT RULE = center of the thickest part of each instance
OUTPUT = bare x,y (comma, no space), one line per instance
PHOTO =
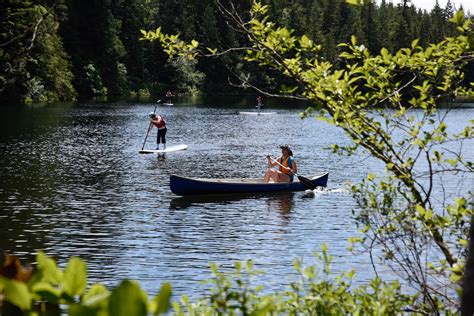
286,166
160,123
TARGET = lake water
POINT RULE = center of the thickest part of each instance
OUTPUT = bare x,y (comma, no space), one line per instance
73,184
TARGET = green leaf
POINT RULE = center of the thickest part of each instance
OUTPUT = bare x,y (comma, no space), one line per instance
97,300
75,277
81,310
16,293
420,209
464,242
458,17
456,272
213,51
47,291
214,268
385,54
353,2
128,299
353,40
238,266
249,265
324,248
306,42
48,268
97,290
162,300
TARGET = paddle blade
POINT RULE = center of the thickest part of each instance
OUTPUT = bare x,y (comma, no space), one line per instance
307,182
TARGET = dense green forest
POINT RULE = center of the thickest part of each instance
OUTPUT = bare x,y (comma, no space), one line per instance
54,50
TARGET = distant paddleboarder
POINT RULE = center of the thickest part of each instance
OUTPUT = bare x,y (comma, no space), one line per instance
169,95
259,102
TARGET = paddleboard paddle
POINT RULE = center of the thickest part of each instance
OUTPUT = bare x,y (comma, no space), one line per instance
149,125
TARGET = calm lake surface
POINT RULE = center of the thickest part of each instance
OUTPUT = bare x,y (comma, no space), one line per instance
73,184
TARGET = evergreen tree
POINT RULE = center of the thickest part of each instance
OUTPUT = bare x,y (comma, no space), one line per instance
315,21
331,27
370,26
437,23
449,11
132,15
425,29
352,23
402,38
91,36
33,63
210,36
388,25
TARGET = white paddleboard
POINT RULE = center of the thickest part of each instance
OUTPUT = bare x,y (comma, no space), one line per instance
257,113
168,149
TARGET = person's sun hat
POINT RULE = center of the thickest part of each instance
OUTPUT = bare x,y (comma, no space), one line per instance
287,146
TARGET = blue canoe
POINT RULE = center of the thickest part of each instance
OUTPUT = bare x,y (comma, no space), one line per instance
194,186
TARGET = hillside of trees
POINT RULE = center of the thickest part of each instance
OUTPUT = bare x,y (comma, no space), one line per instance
59,50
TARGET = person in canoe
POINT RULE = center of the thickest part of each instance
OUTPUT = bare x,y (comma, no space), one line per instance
160,123
286,166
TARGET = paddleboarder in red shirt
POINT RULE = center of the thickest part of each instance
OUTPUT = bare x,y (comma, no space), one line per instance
160,123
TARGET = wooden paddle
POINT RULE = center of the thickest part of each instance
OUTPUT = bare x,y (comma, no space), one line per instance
149,125
305,181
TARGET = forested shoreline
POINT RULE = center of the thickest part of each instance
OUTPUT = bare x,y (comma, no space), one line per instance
72,49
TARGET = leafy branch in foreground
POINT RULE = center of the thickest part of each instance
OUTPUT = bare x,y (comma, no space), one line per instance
38,293
388,105
42,292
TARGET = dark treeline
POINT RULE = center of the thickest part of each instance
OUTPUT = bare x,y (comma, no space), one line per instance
67,49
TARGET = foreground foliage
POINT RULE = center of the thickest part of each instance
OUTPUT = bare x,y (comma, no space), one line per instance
41,292
388,105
